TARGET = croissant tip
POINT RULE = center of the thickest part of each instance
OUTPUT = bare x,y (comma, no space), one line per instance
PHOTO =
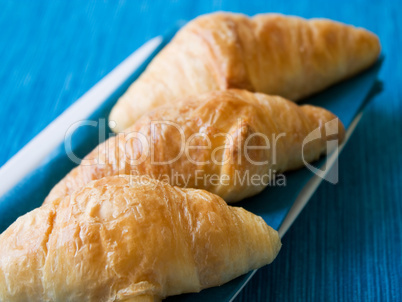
119,118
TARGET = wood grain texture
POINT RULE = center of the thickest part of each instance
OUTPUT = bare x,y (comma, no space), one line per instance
346,245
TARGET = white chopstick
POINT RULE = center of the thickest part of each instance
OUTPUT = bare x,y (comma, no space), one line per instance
29,157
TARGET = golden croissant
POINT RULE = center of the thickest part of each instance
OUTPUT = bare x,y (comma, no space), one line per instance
130,239
230,143
270,53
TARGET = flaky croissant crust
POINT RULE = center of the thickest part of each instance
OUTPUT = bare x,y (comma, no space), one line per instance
130,239
270,53
233,121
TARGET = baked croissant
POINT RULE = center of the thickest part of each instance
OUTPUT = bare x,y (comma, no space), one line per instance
270,53
217,141
130,239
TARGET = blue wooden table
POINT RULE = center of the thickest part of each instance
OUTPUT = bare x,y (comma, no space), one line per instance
347,243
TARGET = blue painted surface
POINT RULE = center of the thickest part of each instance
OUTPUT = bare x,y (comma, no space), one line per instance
345,245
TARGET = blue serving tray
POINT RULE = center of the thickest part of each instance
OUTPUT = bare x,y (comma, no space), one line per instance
28,176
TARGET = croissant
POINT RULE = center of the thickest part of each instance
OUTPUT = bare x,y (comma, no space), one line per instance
270,53
217,141
130,239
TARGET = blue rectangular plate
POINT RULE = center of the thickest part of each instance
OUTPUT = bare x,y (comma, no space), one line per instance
345,100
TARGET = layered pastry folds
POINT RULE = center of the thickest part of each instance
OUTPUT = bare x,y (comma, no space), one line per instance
130,239
270,53
217,141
